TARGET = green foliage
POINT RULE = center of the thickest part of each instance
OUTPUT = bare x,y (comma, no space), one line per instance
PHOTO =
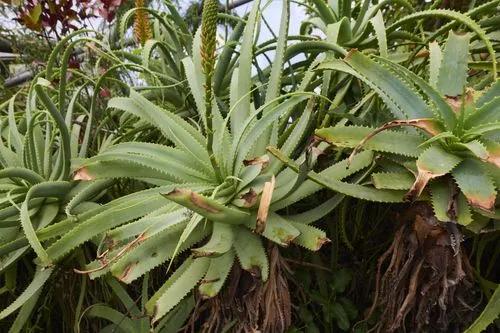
175,165
452,147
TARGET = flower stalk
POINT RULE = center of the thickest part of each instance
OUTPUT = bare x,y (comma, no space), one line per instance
208,56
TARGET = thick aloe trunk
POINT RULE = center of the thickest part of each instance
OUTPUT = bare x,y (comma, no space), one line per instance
424,280
247,304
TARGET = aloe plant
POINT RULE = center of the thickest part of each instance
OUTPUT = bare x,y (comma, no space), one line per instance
214,158
37,187
217,183
456,160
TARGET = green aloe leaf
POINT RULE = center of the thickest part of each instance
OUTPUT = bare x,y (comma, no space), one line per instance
310,237
487,113
154,251
220,242
393,180
435,58
489,314
432,163
207,207
46,189
217,273
119,320
378,25
354,190
440,200
476,184
41,276
244,73
387,141
185,136
251,254
279,230
404,101
179,284
452,76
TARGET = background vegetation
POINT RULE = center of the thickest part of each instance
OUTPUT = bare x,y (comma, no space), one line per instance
169,167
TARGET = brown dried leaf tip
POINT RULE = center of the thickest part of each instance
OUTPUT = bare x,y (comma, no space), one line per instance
261,160
265,202
82,174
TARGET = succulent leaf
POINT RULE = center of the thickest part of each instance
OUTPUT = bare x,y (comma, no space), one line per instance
250,253
388,141
452,76
432,163
217,273
179,284
393,180
475,184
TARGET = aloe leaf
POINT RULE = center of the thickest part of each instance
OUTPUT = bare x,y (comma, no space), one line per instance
165,166
339,171
393,180
354,190
123,296
464,214
172,126
274,83
217,273
296,136
119,319
443,109
387,141
46,189
251,254
487,113
195,79
318,212
482,129
220,242
475,184
452,76
324,11
25,313
476,147
180,283
65,138
86,193
154,251
175,320
245,68
489,314
432,163
279,230
489,94
378,25
310,237
104,221
41,276
207,207
440,199
403,101
23,173
435,59
150,224
17,139
225,57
